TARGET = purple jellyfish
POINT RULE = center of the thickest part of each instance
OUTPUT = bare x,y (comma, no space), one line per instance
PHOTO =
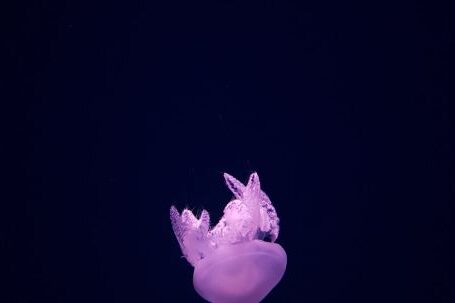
232,262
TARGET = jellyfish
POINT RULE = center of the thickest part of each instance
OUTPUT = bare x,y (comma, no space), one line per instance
237,260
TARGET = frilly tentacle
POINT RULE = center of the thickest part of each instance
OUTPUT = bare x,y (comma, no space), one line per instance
249,216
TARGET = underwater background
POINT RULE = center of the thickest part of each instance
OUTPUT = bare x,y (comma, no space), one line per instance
129,107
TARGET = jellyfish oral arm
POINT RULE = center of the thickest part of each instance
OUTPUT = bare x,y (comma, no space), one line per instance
232,262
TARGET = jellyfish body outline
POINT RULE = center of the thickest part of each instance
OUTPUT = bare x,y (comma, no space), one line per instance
233,250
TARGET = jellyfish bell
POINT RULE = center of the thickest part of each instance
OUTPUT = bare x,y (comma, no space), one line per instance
231,261
243,272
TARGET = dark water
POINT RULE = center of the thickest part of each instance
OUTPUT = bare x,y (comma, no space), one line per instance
129,107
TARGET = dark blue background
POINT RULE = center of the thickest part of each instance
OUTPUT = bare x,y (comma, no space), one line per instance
129,107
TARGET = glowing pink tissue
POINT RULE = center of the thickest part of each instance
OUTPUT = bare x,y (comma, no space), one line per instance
232,262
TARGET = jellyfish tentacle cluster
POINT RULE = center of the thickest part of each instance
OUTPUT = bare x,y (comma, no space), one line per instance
235,249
